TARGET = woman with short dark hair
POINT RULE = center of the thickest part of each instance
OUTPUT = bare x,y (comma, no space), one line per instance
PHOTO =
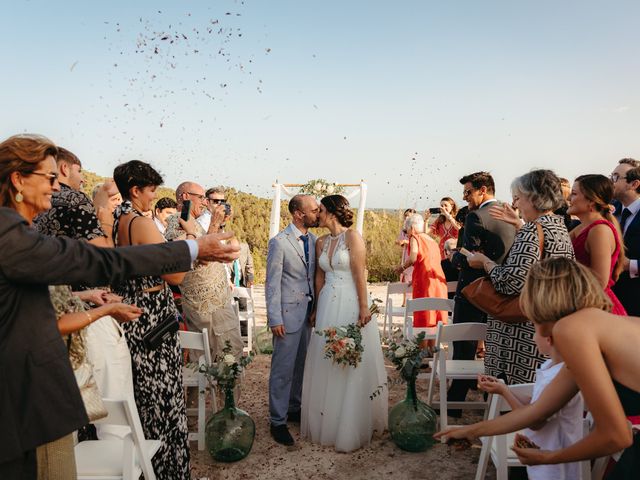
157,373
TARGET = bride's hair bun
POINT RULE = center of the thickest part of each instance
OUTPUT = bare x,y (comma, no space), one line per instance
339,206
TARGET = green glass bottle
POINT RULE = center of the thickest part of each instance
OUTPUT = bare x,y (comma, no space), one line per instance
412,423
230,432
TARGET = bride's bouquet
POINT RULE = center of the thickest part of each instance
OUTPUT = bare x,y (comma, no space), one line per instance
343,345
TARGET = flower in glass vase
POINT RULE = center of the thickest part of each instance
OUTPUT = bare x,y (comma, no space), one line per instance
412,422
229,433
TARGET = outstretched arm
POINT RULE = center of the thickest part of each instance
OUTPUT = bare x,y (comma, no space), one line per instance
580,350
553,398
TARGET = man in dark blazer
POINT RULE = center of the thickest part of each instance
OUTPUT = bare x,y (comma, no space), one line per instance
482,233
39,397
626,190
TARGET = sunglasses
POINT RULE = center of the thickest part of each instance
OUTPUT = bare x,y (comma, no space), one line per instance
216,200
53,177
466,192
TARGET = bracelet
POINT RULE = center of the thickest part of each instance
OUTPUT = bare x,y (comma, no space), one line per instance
490,262
192,234
89,317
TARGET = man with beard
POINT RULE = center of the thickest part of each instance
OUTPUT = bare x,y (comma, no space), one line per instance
626,190
289,293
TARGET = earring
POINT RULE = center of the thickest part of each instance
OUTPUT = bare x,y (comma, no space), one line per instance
19,197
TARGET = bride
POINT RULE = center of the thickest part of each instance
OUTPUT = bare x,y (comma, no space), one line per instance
337,408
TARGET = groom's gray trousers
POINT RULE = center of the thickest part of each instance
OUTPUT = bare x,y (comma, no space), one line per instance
285,382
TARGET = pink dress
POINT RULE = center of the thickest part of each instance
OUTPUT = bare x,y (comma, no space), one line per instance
582,256
428,280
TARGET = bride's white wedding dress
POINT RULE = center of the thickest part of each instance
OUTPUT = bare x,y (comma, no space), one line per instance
336,405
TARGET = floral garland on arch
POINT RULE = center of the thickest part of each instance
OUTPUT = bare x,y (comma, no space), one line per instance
321,188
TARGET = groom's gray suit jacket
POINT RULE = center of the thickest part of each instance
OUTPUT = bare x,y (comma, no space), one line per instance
290,284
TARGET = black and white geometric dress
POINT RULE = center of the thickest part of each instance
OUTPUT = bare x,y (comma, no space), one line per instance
157,374
511,353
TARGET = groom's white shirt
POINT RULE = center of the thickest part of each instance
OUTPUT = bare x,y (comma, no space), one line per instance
296,231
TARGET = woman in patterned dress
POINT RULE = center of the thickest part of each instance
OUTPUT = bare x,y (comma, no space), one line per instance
511,353
157,374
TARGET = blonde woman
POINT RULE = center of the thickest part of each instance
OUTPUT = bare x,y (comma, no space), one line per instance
570,306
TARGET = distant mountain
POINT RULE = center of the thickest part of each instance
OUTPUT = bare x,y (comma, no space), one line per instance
250,223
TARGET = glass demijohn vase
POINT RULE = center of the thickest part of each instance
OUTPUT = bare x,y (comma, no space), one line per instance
412,423
230,432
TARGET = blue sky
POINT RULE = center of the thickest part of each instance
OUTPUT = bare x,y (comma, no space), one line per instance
406,95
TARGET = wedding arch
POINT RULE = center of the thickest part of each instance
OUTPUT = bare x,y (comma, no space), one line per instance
287,189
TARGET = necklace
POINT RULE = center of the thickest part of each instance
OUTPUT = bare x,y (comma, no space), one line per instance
332,237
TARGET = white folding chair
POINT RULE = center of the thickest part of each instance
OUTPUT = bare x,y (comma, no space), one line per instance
445,369
426,304
248,316
124,459
394,288
192,378
497,448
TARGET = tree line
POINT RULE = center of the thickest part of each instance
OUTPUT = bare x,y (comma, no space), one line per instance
250,223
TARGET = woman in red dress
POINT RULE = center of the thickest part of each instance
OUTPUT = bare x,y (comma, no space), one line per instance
428,277
596,241
445,226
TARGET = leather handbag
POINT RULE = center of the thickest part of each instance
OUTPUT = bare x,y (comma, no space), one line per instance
161,332
91,396
482,294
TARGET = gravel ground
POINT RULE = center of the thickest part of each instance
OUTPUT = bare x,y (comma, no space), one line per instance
381,459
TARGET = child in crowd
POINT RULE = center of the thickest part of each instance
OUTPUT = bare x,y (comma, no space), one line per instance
561,430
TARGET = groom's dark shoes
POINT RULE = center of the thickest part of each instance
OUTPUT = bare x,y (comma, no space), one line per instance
280,434
293,417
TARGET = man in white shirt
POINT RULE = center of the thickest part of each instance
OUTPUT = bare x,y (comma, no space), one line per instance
206,291
164,208
626,190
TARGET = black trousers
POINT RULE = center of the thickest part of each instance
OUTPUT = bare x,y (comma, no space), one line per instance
24,467
464,312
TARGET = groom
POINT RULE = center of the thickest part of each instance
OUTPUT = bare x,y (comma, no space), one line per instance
289,295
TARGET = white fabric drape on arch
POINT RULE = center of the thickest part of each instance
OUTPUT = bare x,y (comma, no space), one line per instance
280,189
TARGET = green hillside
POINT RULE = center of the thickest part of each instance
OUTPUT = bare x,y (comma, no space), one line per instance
250,223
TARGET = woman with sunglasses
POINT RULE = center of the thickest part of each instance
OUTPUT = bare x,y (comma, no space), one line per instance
39,397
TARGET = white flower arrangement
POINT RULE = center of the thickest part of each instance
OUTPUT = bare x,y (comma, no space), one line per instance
321,188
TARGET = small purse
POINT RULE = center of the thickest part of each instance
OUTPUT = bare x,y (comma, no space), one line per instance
91,396
482,294
161,332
